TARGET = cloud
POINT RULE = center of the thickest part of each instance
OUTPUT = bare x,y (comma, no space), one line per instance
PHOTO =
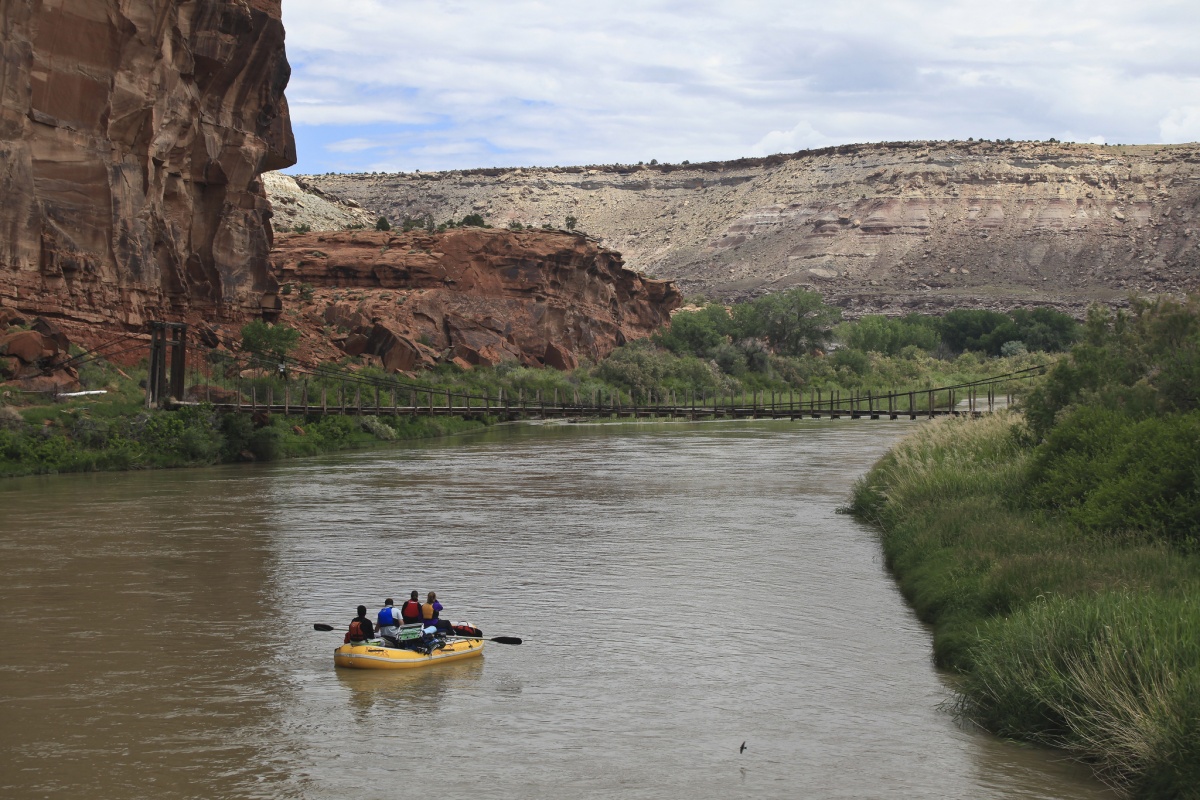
802,137
1181,125
356,145
443,85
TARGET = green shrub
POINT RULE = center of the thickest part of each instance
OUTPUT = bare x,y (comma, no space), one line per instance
11,419
378,429
266,443
1110,472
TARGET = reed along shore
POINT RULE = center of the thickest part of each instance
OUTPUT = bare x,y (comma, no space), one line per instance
1056,552
1081,639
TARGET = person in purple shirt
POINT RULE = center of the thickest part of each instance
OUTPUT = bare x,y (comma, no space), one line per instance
431,612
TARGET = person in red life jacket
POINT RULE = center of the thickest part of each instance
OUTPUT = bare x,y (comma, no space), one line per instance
389,623
361,628
431,611
410,612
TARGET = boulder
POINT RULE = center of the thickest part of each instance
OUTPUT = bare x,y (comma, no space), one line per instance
397,352
10,317
355,344
29,346
51,331
55,383
559,358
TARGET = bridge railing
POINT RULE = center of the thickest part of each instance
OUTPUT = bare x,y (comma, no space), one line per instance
374,397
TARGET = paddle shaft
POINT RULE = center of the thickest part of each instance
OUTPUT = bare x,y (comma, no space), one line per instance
319,626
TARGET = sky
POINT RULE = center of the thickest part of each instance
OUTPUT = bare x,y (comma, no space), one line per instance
399,86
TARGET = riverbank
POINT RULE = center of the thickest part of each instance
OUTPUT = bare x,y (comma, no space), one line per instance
82,436
1083,640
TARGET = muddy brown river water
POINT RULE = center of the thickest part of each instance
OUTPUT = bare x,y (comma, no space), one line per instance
681,588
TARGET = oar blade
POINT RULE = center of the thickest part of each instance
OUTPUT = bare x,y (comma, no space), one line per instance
506,639
317,626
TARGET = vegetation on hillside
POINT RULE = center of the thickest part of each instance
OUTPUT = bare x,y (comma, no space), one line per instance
1057,554
786,344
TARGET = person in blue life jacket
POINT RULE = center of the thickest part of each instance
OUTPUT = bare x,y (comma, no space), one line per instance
361,629
389,623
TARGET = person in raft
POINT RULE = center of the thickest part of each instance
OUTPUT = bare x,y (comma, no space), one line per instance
431,611
389,623
361,628
410,612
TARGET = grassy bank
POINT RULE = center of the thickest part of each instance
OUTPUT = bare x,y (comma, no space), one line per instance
98,436
1056,554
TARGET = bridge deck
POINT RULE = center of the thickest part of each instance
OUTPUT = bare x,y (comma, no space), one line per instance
532,411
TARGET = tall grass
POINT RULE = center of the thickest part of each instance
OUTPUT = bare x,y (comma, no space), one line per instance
1113,678
1066,636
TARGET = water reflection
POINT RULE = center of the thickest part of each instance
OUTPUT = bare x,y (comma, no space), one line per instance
415,693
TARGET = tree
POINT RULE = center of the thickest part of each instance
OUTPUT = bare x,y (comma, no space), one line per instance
382,224
572,221
972,329
794,322
697,333
889,335
271,341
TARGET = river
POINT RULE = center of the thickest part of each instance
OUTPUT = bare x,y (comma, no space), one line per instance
680,589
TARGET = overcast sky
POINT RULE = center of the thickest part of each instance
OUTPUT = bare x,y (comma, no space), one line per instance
397,85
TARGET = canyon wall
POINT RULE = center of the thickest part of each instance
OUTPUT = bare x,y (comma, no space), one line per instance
891,227
471,296
132,137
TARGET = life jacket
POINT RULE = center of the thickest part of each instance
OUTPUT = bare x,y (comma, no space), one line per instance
428,611
355,633
411,611
388,617
466,629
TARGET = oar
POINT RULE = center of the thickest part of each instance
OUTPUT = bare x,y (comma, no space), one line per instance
497,639
318,626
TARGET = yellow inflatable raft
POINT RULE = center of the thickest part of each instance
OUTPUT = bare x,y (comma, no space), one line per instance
375,656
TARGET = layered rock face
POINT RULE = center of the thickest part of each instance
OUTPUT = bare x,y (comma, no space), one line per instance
914,225
296,206
474,296
132,137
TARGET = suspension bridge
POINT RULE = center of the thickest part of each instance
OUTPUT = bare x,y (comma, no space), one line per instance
251,383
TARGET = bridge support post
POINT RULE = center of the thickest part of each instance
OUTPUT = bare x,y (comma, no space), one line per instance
164,337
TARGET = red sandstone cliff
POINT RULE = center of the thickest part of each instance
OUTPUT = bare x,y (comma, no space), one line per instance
133,134
132,137
472,295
